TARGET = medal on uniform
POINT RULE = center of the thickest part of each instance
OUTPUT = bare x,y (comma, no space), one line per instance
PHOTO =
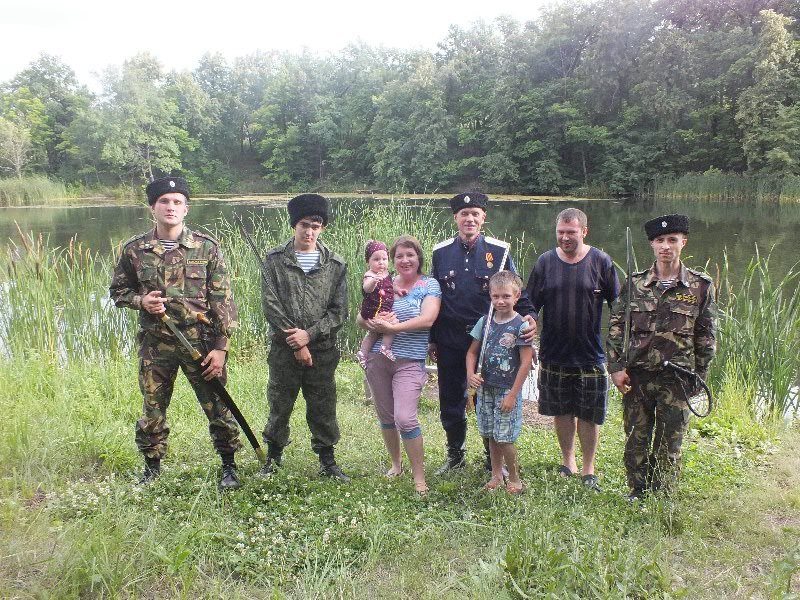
489,260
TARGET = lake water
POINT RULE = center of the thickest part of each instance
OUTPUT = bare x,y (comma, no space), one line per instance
715,227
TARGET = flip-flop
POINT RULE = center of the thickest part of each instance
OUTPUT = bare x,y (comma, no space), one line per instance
591,482
421,491
390,475
565,471
516,491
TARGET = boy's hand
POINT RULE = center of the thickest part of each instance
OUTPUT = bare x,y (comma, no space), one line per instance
303,356
509,403
400,292
475,380
297,338
433,352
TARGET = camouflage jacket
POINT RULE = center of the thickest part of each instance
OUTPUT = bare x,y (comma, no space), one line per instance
677,324
193,276
316,302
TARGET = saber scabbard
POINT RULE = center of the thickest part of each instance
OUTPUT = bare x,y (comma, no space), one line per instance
219,389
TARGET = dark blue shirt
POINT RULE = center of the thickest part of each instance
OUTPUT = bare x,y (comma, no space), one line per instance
463,274
572,296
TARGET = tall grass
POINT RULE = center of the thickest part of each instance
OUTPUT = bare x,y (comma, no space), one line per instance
714,185
30,191
759,335
56,299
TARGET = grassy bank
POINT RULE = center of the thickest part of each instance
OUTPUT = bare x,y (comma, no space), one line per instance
716,186
74,525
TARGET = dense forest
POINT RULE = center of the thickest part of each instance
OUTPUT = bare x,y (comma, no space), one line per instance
601,95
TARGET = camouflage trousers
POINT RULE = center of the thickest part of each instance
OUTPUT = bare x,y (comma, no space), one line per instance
286,378
159,360
655,417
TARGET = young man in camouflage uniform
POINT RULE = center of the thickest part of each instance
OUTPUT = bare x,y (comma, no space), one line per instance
673,317
171,269
304,299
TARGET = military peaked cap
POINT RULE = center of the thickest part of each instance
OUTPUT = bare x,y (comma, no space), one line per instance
469,200
666,224
164,185
308,205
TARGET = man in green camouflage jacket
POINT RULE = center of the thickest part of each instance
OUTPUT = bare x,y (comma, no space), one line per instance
304,299
181,272
673,317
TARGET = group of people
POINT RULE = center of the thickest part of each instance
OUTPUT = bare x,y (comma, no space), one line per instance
471,315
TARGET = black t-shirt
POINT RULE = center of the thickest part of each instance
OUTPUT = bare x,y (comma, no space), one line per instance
571,296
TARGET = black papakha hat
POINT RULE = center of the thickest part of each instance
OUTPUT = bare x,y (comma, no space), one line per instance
164,185
469,200
307,205
666,224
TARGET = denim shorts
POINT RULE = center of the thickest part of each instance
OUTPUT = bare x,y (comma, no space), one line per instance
492,422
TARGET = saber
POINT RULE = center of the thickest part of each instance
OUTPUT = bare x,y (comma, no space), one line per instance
472,391
253,248
630,266
219,389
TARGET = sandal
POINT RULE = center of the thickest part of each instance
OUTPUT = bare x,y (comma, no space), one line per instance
387,352
591,482
421,490
565,471
362,360
493,484
392,474
515,489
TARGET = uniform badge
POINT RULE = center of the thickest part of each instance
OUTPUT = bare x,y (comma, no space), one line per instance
171,183
663,224
196,261
467,200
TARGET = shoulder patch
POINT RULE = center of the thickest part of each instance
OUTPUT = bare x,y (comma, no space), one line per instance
204,235
700,274
338,259
496,242
444,244
134,238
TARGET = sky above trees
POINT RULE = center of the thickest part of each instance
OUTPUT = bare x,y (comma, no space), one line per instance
90,35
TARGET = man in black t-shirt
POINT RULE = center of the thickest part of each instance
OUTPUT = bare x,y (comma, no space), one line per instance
570,283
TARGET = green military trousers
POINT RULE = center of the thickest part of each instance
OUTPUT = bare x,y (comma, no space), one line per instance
159,360
286,378
655,417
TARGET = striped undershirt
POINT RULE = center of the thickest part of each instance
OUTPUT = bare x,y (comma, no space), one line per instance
665,284
169,244
307,260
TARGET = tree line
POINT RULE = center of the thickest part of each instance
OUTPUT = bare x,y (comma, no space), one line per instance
591,96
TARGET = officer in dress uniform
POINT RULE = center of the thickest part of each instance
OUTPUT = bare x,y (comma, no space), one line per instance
181,272
463,265
673,317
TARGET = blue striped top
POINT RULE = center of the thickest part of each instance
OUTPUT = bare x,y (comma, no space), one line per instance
412,344
307,260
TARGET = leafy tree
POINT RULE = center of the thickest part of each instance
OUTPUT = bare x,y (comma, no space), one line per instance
15,147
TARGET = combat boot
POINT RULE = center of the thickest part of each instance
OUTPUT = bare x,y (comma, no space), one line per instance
229,479
328,466
456,447
455,461
274,460
152,469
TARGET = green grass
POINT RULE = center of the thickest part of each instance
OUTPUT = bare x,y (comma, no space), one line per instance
73,524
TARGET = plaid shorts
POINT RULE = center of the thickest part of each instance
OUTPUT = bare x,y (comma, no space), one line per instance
578,391
492,422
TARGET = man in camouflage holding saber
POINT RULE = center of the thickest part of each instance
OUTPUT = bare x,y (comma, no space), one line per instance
673,317
173,269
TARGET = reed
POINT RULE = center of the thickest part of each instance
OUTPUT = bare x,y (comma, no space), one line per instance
759,335
716,186
29,191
